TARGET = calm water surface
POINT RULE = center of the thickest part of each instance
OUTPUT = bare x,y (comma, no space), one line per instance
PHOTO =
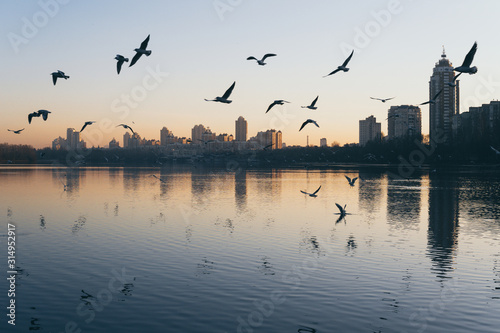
206,250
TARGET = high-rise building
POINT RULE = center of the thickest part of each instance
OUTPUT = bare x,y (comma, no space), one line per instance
197,133
241,129
271,138
165,134
322,142
279,140
69,137
369,130
404,121
126,139
446,105
114,144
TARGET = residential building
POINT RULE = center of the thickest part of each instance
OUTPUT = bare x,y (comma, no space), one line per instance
369,130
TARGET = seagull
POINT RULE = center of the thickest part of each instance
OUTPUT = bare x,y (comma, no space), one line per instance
383,100
465,68
351,181
452,83
495,150
276,102
126,127
313,195
86,124
343,66
140,51
31,115
312,106
224,98
43,113
342,210
121,59
261,61
433,101
307,122
158,178
16,131
57,74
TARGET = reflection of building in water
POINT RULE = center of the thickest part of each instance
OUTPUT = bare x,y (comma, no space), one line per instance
240,189
443,223
369,191
269,184
403,203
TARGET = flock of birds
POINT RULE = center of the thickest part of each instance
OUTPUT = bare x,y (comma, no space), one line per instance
342,210
142,50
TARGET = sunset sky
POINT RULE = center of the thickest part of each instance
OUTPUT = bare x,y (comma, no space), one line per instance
199,47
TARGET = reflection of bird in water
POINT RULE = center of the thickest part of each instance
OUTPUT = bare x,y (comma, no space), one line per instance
351,243
351,181
342,213
42,222
313,195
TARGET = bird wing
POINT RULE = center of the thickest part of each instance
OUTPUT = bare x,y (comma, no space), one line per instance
304,192
84,125
315,123
354,180
348,59
424,103
135,58
340,208
252,58
439,92
388,99
229,91
378,99
268,55
304,124
144,44
54,78
335,71
456,76
348,179
44,114
470,56
315,100
271,105
316,190
29,118
119,66
496,151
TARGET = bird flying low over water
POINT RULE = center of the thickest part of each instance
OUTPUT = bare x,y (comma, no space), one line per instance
126,127
57,74
261,61
140,51
433,100
224,98
465,68
342,67
43,113
312,194
341,209
383,100
276,102
307,122
452,83
16,131
351,181
495,150
86,124
120,60
312,106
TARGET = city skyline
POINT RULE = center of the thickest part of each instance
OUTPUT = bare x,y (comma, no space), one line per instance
393,56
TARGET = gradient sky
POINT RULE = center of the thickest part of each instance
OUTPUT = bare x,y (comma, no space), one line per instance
203,46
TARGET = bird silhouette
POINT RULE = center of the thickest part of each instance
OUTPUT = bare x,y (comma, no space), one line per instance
140,51
57,74
342,67
120,60
224,98
312,106
308,121
261,61
465,67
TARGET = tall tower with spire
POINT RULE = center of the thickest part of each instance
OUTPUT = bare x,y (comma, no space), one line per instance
446,105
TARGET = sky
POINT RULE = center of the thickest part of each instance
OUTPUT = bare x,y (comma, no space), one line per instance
199,48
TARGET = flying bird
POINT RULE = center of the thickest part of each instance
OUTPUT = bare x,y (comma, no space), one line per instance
86,124
383,100
224,98
312,106
465,68
140,51
341,209
16,131
57,74
43,113
121,59
158,178
313,195
307,122
126,127
261,61
433,101
351,181
276,102
343,66
452,83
